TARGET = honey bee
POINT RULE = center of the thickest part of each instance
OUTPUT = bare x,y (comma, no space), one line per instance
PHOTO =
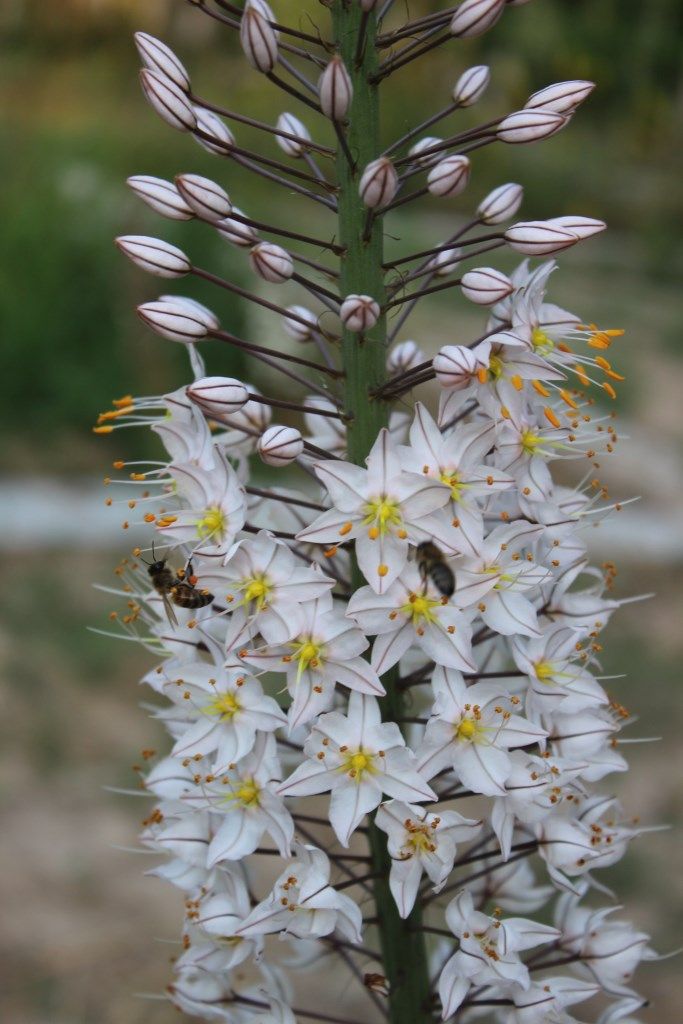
432,565
176,588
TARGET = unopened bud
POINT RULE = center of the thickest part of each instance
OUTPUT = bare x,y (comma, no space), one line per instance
529,126
485,285
291,124
378,183
582,227
258,39
157,56
445,262
500,204
169,101
449,177
563,97
539,237
218,396
404,356
173,320
264,9
367,5
294,328
210,124
271,262
203,312
241,235
454,366
154,255
473,17
471,85
359,312
204,196
423,146
161,195
335,90
279,446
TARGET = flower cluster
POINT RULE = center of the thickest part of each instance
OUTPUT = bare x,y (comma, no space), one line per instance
407,622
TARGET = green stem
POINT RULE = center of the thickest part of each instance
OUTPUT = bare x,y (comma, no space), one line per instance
364,359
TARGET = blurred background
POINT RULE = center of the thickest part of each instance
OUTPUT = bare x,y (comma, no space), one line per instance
79,919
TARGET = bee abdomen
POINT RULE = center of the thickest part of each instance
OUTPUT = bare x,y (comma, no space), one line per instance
186,596
443,579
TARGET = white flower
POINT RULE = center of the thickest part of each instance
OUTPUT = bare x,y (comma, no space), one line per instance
383,508
216,508
223,709
409,615
576,845
325,651
471,731
487,952
304,904
545,1000
420,841
557,683
358,757
496,577
457,460
264,586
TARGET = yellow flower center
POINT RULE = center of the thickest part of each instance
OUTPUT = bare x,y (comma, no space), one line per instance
307,654
257,590
530,441
248,793
419,607
422,839
495,367
453,481
470,729
225,705
541,342
381,514
358,763
544,670
213,523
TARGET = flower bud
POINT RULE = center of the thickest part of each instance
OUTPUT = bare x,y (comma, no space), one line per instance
359,312
485,285
563,97
161,195
207,315
169,101
378,183
539,237
271,262
454,366
210,124
279,446
449,177
241,235
335,90
427,143
582,227
290,123
294,328
530,126
445,262
474,17
262,7
204,196
218,396
501,203
258,39
367,5
157,56
404,356
154,255
471,85
173,320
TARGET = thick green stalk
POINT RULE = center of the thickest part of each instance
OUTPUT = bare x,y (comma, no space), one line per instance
364,359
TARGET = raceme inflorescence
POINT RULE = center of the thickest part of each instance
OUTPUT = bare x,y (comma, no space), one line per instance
375,624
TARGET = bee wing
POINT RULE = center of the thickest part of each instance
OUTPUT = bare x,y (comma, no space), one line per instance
169,609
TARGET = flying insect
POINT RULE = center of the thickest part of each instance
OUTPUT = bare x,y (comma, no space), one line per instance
432,565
